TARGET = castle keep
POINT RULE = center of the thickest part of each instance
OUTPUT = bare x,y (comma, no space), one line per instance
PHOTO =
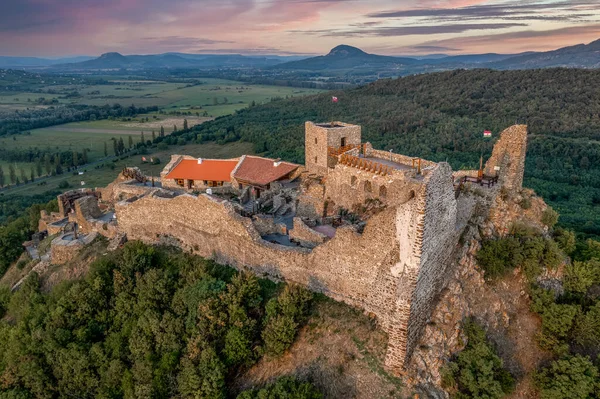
372,228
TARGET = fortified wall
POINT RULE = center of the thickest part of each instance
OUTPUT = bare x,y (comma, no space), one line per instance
391,263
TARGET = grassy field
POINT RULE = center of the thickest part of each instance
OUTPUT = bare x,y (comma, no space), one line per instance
89,135
213,97
105,172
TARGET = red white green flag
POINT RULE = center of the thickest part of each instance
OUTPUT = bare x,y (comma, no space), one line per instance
487,133
334,99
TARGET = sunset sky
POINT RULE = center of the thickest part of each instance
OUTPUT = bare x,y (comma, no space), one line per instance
90,27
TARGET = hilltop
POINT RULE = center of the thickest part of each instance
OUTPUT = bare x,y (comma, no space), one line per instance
442,116
347,57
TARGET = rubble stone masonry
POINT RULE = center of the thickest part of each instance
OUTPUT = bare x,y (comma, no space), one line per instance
508,157
394,269
378,270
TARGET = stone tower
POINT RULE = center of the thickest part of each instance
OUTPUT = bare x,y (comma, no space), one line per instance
318,137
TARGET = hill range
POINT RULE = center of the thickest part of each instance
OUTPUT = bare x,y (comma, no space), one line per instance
342,58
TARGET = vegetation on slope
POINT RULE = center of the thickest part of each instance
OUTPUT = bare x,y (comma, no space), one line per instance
441,116
477,371
569,312
145,323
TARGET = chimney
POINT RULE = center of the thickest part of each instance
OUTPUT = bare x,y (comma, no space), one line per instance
199,161
277,162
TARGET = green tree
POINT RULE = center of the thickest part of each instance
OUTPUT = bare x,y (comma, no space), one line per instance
130,141
284,387
569,378
162,131
32,175
185,125
12,173
75,159
38,167
153,136
23,175
142,140
549,217
105,149
1,177
84,156
48,164
477,372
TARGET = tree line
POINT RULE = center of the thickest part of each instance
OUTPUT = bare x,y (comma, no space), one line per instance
17,121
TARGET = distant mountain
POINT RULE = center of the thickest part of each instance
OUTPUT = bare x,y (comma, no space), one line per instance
24,62
347,57
578,56
173,60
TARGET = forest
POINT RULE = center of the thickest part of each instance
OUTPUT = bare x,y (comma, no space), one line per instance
148,322
441,117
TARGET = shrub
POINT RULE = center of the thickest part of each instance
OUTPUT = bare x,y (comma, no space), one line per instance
64,184
549,217
525,203
477,371
570,378
566,240
284,315
284,388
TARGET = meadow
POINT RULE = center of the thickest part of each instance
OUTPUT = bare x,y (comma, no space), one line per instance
204,97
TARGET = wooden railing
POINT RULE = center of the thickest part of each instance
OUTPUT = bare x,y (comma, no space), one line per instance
365,164
489,181
337,151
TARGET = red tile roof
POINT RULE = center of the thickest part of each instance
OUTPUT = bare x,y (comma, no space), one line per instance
262,171
209,169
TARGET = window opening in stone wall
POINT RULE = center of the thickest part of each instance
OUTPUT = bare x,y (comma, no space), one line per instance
190,183
353,180
343,142
315,159
315,140
382,192
368,187
179,182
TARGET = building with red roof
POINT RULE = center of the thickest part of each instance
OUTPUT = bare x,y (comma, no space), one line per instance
259,173
197,173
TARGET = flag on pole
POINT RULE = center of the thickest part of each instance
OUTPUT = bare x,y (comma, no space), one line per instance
143,159
487,133
334,99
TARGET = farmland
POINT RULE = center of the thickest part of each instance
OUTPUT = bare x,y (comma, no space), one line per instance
201,97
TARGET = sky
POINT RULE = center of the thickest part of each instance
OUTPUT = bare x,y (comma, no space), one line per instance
53,28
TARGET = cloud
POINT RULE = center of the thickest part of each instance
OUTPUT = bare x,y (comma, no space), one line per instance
412,30
521,40
501,11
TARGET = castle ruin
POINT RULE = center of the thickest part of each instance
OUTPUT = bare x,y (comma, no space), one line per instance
375,229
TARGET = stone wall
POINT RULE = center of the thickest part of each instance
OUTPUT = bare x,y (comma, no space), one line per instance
508,157
398,253
347,186
306,236
398,158
318,137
